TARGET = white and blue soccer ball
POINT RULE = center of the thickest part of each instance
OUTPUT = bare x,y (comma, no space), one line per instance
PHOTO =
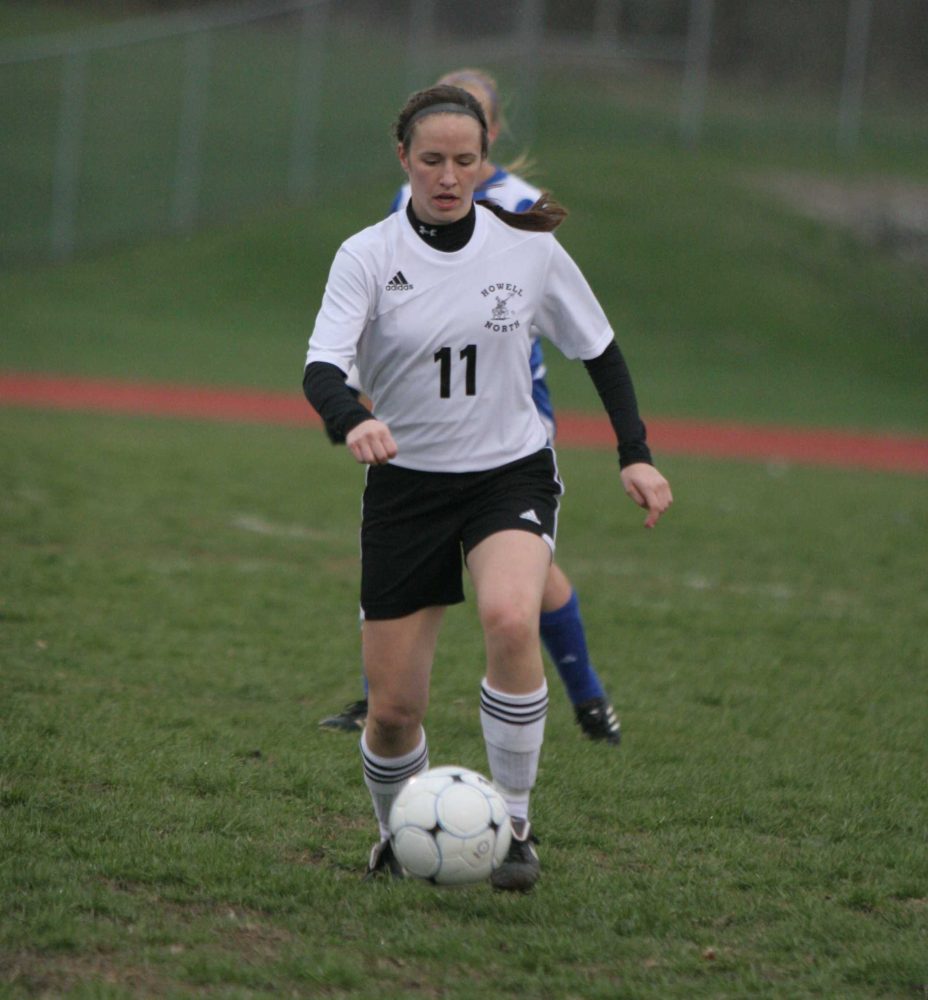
449,825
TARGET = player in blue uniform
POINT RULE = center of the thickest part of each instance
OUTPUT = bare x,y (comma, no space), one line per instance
562,629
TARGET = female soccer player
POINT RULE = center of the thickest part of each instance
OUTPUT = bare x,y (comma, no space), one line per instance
562,629
437,306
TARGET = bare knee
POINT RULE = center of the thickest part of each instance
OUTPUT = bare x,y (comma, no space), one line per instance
393,723
510,626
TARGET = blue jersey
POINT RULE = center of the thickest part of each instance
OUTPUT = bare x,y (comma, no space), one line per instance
515,195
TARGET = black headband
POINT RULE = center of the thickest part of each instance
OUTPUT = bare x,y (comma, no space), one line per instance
448,108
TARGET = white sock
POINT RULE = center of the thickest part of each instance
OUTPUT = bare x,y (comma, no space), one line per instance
385,776
513,730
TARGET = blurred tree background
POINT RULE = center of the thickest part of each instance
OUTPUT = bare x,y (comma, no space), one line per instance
178,112
770,39
773,40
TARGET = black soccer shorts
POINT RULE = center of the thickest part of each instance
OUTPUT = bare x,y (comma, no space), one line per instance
418,527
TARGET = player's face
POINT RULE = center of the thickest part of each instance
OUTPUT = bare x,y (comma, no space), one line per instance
443,164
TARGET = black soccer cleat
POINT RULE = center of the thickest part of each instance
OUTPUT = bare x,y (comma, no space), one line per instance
521,868
598,720
383,863
349,720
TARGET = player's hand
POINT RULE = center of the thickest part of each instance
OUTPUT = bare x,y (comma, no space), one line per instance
371,442
648,488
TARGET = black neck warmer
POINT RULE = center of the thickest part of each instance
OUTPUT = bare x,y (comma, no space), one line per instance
449,237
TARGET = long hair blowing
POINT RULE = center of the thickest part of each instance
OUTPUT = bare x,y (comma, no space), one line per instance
543,217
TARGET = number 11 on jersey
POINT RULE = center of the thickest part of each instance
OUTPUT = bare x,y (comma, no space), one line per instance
442,357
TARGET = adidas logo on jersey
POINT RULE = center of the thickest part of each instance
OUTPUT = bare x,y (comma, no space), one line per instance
398,283
529,515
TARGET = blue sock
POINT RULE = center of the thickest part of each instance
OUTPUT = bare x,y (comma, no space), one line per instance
565,640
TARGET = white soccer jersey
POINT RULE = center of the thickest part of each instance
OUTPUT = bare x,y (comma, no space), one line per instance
441,340
509,192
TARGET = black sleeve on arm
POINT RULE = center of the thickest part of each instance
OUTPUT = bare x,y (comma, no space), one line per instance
613,382
324,387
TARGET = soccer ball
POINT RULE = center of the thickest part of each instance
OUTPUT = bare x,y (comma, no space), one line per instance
450,826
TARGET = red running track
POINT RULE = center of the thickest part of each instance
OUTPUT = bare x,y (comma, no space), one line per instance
893,453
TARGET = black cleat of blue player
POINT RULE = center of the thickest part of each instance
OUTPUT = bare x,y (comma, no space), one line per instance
349,720
598,721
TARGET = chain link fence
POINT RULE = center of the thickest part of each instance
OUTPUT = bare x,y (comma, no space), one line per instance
170,121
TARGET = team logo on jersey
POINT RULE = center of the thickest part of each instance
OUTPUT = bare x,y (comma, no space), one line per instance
398,283
500,311
502,319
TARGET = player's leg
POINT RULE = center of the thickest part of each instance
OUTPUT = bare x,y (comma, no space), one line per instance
410,571
509,570
564,637
398,656
562,630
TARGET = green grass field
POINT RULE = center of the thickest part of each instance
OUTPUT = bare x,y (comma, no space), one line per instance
178,607
178,611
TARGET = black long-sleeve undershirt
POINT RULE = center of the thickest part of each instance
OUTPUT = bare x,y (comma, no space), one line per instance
613,382
324,386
